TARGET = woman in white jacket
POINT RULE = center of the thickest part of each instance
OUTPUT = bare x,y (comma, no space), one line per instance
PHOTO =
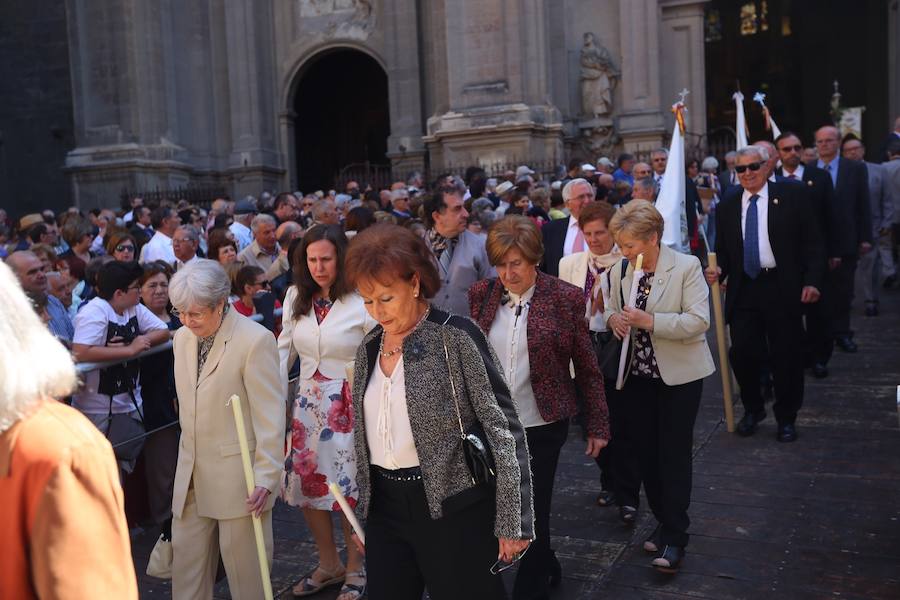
324,322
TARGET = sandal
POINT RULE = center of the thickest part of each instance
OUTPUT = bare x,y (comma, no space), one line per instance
356,590
308,586
606,498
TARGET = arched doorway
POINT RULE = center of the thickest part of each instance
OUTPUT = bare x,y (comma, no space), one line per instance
342,116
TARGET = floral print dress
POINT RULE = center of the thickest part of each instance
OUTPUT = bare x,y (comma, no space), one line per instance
321,440
643,360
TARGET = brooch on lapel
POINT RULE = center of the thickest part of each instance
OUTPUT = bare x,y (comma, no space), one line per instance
416,349
775,201
809,183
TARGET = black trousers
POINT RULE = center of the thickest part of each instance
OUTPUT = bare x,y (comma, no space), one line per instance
762,332
408,552
661,420
830,316
544,445
618,461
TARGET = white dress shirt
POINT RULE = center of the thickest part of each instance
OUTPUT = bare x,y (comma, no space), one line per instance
158,248
571,234
509,337
388,432
798,173
766,256
180,264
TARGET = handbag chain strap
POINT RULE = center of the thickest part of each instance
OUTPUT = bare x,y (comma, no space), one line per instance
462,432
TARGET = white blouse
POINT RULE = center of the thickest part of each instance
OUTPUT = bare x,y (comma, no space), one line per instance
509,337
388,432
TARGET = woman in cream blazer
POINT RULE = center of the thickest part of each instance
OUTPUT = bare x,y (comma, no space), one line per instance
668,359
219,353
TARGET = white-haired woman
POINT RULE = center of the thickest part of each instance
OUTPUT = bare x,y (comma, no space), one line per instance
218,353
58,473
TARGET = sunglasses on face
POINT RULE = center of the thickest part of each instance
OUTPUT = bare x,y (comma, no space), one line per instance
752,166
124,247
796,148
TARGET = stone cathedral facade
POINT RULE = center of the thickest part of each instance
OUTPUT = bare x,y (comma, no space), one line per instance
205,91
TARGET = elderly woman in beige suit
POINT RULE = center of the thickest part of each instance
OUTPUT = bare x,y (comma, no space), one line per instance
218,353
664,375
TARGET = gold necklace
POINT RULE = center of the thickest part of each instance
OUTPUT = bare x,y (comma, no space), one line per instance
399,348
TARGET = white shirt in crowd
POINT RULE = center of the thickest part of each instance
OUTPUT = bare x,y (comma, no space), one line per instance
180,264
158,248
92,326
766,256
242,235
388,432
798,174
509,337
571,234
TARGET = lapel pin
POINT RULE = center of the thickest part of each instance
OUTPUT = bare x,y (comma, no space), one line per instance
659,281
775,201
809,183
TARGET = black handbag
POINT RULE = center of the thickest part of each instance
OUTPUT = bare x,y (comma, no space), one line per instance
479,458
607,347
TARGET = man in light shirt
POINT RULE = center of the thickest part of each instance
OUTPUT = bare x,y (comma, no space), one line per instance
243,215
185,243
263,251
165,221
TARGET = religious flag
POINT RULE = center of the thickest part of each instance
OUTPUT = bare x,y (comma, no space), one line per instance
851,121
740,128
770,122
670,200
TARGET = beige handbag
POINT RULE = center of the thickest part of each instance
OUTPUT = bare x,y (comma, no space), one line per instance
160,563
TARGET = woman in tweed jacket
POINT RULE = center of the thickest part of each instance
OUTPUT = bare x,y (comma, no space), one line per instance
428,526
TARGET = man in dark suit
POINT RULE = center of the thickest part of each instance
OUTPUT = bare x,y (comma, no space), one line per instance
849,237
883,155
728,177
821,200
563,237
770,256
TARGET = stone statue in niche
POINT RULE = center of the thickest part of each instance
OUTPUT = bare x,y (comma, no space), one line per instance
598,78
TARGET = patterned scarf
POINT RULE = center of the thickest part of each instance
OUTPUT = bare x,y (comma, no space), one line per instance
322,306
204,345
440,243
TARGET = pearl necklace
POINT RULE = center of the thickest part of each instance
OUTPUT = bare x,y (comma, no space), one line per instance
399,348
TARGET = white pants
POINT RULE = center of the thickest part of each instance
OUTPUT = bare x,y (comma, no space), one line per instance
196,544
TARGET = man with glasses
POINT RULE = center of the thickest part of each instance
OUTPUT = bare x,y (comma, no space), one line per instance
821,200
563,237
850,238
185,243
286,207
771,258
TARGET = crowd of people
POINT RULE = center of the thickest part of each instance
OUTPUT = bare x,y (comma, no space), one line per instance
432,345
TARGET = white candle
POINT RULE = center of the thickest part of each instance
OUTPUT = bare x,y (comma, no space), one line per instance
348,512
235,402
632,299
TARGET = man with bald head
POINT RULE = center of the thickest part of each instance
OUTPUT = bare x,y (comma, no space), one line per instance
850,238
30,272
641,170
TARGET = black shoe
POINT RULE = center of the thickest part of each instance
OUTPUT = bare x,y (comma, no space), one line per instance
555,571
820,370
889,282
747,425
786,433
846,343
628,514
669,559
872,310
652,543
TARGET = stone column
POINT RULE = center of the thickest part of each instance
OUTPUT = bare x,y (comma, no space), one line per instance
405,147
893,18
682,38
497,90
641,122
254,161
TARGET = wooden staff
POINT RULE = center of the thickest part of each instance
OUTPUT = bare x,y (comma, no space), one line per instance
632,298
723,347
235,402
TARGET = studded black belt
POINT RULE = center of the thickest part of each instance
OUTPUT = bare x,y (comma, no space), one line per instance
410,474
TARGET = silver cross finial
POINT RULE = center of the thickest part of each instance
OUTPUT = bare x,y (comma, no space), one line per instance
683,94
759,97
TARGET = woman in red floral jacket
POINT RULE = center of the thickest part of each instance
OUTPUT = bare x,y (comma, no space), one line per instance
536,325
